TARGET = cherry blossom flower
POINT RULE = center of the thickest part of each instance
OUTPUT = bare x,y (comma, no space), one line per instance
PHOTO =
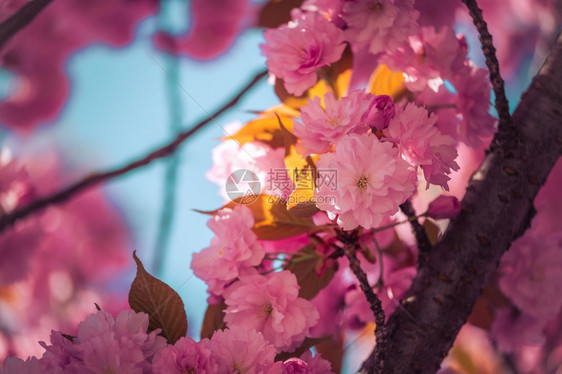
105,344
295,52
372,181
323,125
511,330
242,350
379,25
233,249
473,104
380,112
531,272
186,356
267,163
306,364
270,305
14,365
38,53
421,144
429,58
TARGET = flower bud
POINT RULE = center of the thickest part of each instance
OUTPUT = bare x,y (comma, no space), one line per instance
380,112
444,207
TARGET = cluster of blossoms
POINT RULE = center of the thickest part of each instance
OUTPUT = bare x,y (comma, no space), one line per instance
122,345
56,264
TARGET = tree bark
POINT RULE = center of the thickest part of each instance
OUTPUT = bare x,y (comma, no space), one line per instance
496,210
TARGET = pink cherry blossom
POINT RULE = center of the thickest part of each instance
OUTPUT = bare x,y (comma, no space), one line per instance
421,144
323,125
38,53
295,52
436,14
14,365
429,58
372,181
306,364
105,344
379,25
242,350
473,104
186,356
531,272
270,305
444,207
511,330
234,248
380,112
267,163
214,27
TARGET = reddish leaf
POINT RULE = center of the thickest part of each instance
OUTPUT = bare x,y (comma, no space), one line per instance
162,304
305,271
332,350
306,345
214,320
277,12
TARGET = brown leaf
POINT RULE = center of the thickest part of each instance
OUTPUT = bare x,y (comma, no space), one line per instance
305,271
432,231
332,350
277,12
162,304
306,344
214,320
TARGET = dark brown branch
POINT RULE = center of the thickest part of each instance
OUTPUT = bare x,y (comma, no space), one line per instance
497,209
97,178
20,19
507,133
372,298
424,245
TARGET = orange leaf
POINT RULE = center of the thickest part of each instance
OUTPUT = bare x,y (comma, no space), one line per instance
162,304
387,82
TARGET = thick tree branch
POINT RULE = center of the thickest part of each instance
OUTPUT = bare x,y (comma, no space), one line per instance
100,177
20,19
497,209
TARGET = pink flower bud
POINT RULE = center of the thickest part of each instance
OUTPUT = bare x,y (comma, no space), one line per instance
381,111
444,207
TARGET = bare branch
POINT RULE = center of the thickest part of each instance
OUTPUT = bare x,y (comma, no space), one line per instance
424,245
497,209
507,132
20,19
100,177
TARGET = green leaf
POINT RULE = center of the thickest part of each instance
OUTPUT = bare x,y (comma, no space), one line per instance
306,344
305,271
162,304
214,320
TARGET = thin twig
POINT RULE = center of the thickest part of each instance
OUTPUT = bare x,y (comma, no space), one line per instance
424,245
97,178
505,126
20,19
374,303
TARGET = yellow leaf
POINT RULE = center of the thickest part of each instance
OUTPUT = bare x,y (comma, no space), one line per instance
387,82
265,129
